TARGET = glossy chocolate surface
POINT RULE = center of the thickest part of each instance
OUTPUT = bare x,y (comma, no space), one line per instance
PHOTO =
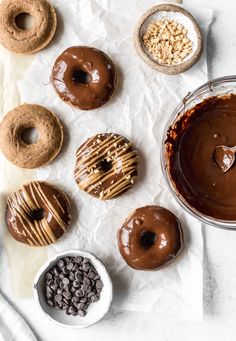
37,214
195,165
85,77
151,237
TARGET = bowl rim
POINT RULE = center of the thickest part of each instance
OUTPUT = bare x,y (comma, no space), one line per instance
207,86
168,69
46,266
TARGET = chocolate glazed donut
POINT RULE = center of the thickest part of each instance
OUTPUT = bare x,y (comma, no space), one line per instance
85,77
150,237
37,214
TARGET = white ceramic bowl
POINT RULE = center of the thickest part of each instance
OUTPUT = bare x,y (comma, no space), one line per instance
96,311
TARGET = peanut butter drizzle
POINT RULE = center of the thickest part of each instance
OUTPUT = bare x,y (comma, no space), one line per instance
113,149
32,197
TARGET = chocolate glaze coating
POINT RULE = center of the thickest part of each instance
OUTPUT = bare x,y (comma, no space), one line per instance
106,165
150,237
191,144
85,77
37,214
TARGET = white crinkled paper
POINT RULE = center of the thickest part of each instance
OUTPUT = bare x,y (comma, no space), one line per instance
139,110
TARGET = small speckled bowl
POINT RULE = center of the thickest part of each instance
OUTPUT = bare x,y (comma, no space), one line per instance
96,311
186,19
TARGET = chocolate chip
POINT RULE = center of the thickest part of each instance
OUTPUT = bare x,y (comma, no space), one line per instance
48,275
86,267
54,287
99,284
65,271
67,260
84,287
55,271
83,300
76,284
79,293
71,310
86,281
58,298
69,266
80,306
81,313
48,296
78,276
75,267
78,260
91,275
67,295
71,277
75,299
60,264
92,293
65,281
94,298
49,302
57,281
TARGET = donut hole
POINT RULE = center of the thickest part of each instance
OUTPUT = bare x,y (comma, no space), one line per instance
38,214
24,21
147,239
105,165
81,77
29,135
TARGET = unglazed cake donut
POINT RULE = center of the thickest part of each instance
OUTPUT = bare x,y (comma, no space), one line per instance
50,136
84,77
106,165
150,238
38,214
31,40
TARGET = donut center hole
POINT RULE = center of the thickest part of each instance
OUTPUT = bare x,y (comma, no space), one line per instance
105,165
29,135
147,239
81,77
38,214
24,21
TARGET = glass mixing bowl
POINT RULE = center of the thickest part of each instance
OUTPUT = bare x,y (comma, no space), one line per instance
217,87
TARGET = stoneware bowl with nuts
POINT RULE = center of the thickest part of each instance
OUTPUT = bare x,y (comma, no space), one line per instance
168,39
73,289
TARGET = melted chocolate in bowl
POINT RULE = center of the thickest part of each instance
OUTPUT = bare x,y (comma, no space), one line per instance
190,150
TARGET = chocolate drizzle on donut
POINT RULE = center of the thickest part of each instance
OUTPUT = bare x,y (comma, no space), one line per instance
106,165
37,214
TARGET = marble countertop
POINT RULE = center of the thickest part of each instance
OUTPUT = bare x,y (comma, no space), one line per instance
219,245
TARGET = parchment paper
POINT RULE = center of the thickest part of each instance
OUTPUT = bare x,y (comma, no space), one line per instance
139,111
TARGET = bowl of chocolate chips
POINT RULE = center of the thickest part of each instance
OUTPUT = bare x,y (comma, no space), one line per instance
74,289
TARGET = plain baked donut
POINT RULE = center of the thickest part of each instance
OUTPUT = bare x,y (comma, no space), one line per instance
50,136
29,40
150,238
84,77
38,214
106,165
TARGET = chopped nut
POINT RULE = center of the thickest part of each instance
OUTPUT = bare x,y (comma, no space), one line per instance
167,41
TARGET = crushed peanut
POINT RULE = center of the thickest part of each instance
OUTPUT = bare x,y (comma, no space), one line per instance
167,41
